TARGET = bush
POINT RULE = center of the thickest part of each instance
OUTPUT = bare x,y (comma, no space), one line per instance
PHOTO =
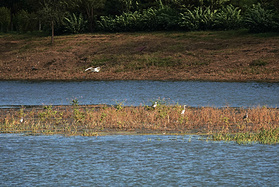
198,19
124,22
228,18
74,24
25,21
168,18
5,19
258,19
164,18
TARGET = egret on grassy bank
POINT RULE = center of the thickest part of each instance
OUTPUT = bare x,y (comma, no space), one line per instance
183,111
154,105
97,69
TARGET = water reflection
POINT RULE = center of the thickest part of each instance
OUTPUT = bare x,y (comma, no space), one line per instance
193,93
134,160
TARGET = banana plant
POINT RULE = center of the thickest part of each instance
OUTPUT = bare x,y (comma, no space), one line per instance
74,24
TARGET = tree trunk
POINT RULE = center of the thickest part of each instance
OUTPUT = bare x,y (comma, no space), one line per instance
40,25
90,14
11,22
52,32
92,19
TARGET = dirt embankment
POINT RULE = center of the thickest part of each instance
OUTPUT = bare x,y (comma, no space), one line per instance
214,56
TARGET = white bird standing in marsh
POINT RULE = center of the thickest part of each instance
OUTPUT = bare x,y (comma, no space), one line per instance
183,111
97,69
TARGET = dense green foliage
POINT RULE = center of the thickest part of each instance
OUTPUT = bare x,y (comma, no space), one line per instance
258,19
4,19
25,21
74,24
79,16
151,19
198,19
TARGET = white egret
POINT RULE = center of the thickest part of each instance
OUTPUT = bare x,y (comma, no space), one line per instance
21,120
154,105
97,69
183,111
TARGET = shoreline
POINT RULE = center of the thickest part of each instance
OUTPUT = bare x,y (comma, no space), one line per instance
163,80
171,80
18,107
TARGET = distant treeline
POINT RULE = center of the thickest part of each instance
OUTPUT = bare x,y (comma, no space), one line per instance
79,16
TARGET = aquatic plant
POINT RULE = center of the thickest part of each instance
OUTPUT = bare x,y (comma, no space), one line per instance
264,136
75,102
119,105
268,136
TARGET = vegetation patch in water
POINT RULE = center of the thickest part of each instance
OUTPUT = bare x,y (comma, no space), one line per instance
90,120
270,136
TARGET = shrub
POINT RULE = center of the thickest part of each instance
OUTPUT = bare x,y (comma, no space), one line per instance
74,24
198,19
125,22
164,18
258,19
228,18
5,19
25,21
167,18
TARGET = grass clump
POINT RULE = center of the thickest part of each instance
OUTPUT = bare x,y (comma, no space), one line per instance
268,136
258,63
264,136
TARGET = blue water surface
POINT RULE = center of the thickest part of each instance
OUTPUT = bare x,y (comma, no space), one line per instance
148,160
192,93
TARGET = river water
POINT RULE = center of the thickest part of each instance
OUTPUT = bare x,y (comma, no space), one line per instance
149,160
192,93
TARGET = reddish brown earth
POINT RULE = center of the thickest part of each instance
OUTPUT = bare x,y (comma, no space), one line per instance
214,56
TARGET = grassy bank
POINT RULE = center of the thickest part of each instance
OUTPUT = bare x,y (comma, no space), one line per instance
206,55
164,119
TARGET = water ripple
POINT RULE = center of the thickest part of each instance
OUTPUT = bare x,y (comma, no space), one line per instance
134,161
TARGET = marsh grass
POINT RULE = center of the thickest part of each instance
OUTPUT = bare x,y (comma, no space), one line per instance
91,120
270,136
